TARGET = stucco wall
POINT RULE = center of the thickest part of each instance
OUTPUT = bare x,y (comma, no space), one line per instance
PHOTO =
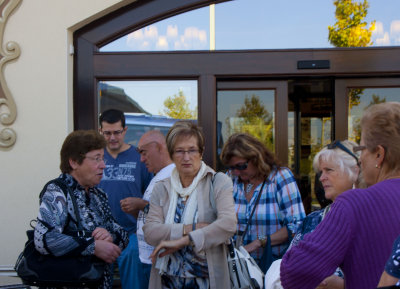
41,84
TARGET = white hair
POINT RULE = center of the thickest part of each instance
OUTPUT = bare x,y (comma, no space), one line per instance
346,163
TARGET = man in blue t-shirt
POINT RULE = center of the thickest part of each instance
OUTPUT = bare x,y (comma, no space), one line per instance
124,180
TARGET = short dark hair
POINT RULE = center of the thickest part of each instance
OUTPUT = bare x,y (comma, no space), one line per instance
112,116
77,144
184,128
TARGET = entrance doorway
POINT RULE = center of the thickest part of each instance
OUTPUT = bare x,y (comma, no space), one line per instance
311,127
293,118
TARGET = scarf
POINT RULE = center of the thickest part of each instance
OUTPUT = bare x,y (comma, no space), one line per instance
190,208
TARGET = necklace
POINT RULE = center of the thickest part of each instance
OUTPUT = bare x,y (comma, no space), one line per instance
249,186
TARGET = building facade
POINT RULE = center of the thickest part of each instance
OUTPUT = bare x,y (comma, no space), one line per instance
310,96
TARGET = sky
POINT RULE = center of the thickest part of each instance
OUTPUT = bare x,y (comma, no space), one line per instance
258,24
244,24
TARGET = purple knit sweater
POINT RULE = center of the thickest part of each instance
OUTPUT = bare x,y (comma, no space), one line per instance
356,235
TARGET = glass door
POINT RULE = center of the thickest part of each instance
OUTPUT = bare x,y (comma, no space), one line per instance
310,123
256,107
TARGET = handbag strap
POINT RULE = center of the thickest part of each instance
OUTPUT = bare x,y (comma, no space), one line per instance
254,208
67,191
211,194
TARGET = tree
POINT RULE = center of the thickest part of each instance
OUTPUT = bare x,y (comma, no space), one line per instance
254,118
357,122
350,29
177,106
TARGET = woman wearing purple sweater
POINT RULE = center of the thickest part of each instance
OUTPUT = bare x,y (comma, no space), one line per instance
358,232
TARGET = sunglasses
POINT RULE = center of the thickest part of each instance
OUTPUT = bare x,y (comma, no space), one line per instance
239,167
339,145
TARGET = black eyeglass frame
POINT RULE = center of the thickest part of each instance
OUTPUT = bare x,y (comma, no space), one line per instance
338,144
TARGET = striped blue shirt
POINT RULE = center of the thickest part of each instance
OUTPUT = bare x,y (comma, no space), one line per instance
280,205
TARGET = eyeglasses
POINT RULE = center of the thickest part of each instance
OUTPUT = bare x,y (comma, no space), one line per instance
338,144
97,159
110,133
239,167
358,148
141,149
181,153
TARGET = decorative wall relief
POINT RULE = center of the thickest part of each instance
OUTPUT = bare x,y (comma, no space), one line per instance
8,52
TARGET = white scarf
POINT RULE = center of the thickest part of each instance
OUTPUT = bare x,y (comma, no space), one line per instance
190,207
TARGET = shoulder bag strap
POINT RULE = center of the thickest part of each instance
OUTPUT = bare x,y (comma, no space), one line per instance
67,191
254,208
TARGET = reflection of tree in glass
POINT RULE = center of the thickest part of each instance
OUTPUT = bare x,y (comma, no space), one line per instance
177,106
356,136
256,120
354,96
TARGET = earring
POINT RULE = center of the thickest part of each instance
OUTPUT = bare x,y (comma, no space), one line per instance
378,167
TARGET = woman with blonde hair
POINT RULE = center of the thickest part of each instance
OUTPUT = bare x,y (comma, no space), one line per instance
358,232
186,227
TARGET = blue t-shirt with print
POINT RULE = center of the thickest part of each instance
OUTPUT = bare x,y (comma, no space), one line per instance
125,176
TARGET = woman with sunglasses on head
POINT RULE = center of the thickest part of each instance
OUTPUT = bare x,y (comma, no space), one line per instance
358,232
338,168
187,229
260,183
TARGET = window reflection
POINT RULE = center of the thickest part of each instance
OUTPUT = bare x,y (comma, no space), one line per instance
257,24
187,31
360,99
250,111
149,104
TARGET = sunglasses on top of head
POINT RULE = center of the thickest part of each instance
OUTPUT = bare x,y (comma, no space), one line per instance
339,145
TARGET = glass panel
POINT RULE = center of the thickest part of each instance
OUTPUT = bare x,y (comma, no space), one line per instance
149,104
257,24
260,24
310,128
187,31
251,111
360,99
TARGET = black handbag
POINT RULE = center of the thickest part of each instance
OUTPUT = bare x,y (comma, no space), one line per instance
50,271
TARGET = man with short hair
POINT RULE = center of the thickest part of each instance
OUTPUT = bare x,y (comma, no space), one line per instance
153,152
125,179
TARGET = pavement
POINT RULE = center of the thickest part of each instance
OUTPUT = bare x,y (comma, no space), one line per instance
10,280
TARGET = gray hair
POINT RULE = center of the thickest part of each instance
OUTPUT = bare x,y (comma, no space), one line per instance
346,163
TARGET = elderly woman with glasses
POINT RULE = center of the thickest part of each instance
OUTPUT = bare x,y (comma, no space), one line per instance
56,232
262,185
358,232
339,172
186,227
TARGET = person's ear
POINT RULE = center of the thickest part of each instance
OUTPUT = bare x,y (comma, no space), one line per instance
73,164
380,155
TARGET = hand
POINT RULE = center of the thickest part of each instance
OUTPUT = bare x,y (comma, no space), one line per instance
332,282
102,234
169,246
253,246
106,251
132,205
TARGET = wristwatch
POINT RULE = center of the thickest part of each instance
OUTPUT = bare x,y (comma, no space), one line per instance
263,241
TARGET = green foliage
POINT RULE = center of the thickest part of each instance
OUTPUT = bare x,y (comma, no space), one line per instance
177,106
255,119
350,29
